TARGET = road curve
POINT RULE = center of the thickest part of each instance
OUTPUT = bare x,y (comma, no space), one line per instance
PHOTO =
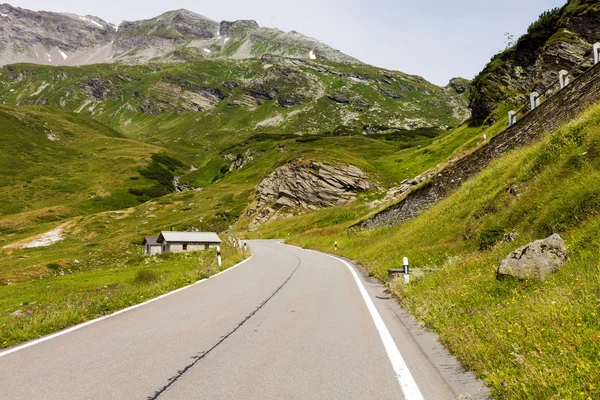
287,324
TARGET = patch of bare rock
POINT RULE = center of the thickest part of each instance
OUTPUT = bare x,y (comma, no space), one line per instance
305,185
535,260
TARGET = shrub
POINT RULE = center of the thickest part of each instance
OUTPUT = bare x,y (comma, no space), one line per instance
145,276
53,266
168,161
491,235
155,171
152,192
545,25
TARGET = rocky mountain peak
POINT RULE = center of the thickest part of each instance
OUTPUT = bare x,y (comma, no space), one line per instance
183,14
238,28
175,36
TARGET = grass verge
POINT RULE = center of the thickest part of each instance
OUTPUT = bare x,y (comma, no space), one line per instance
526,339
36,308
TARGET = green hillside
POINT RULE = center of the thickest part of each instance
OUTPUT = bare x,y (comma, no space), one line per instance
55,165
527,339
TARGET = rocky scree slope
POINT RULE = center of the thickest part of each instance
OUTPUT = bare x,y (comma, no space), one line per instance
176,36
53,38
560,39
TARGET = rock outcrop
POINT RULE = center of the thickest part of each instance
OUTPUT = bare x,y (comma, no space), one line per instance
561,108
560,39
306,185
535,260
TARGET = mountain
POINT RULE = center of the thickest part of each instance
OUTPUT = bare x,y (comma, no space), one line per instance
270,94
559,39
195,124
176,36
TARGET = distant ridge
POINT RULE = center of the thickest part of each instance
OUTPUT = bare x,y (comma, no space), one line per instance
50,38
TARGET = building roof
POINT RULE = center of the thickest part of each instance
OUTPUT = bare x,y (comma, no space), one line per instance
189,237
151,240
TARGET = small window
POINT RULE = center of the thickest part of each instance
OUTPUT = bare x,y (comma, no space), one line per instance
184,247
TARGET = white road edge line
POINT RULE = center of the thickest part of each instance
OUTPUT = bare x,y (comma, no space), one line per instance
405,379
83,325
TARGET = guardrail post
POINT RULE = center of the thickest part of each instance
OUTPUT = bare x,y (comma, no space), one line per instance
534,98
596,53
406,271
219,256
563,78
512,118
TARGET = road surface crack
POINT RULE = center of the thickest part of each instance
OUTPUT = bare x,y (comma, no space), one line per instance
198,357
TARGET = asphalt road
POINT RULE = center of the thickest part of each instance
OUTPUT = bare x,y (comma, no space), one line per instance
287,324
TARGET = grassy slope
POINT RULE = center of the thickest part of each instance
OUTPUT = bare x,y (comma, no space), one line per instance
56,165
526,339
159,86
71,298
103,249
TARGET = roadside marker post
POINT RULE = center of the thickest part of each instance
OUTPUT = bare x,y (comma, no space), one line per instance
245,246
335,245
219,256
512,118
563,78
534,98
596,53
406,271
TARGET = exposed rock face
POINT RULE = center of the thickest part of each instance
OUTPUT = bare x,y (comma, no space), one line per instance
306,185
460,85
533,63
238,161
535,260
237,28
52,38
164,33
171,98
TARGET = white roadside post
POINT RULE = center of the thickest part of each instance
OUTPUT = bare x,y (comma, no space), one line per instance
563,78
512,118
219,256
596,53
534,97
406,271
245,246
335,245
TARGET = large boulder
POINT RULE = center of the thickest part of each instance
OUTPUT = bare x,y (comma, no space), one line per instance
535,260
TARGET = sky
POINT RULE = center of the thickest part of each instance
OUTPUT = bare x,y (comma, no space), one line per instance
436,39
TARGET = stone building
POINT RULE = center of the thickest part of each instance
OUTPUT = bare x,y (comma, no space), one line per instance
181,242
151,246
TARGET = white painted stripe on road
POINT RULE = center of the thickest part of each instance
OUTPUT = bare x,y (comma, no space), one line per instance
83,325
405,379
